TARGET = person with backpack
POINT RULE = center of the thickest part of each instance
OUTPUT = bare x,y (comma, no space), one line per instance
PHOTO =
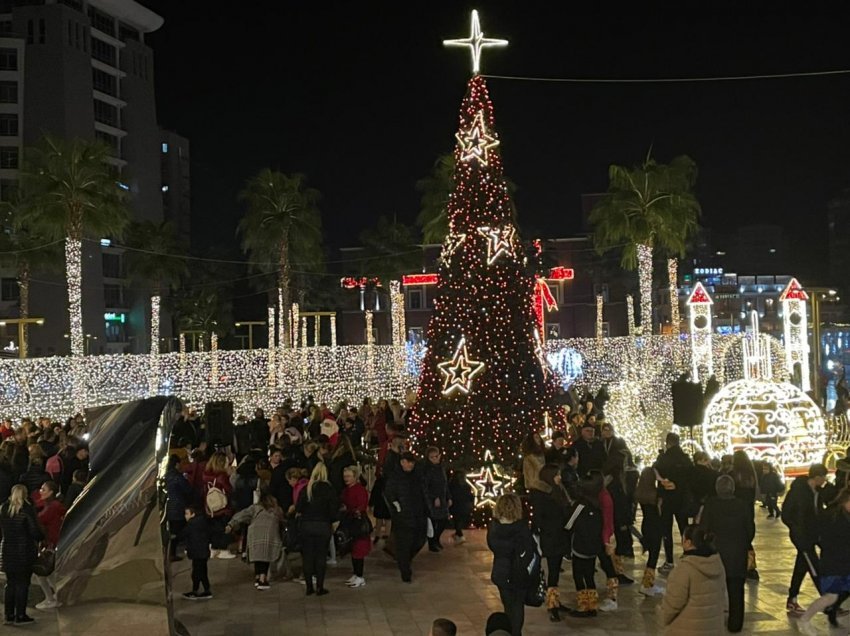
800,512
514,551
217,490
585,525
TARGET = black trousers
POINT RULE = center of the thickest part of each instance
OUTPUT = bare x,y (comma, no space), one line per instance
261,568
650,528
807,561
670,510
439,527
357,565
770,501
17,593
607,564
583,571
409,539
460,522
514,603
314,553
199,575
735,593
219,540
175,528
624,542
553,569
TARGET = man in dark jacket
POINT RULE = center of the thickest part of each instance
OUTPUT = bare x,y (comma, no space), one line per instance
674,469
557,449
180,493
591,455
437,492
800,512
610,442
730,519
703,479
408,505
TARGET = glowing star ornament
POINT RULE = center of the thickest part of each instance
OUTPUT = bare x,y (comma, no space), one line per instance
476,142
489,483
459,372
451,244
475,42
499,241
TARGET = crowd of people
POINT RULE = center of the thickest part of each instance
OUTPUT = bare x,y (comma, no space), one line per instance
310,485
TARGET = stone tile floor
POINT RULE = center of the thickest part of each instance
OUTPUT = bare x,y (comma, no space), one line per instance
453,584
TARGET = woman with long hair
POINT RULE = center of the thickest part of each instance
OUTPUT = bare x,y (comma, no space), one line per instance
746,488
533,459
342,456
317,508
264,521
355,500
51,516
217,477
19,548
551,513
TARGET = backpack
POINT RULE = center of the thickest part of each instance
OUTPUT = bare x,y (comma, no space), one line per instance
526,571
54,467
215,499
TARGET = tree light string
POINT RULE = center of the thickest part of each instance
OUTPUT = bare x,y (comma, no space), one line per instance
154,361
673,279
644,257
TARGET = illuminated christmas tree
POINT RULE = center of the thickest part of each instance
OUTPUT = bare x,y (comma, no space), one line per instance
484,382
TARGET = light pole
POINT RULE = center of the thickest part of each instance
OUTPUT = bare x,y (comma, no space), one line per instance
251,324
21,322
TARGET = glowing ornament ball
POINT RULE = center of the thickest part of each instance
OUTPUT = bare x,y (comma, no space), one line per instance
770,421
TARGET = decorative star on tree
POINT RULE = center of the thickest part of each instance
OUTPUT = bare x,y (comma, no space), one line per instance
475,42
450,245
459,371
476,141
489,483
499,241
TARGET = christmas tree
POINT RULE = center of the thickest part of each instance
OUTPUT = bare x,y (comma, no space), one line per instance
484,383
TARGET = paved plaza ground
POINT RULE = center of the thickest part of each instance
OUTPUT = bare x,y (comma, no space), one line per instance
453,584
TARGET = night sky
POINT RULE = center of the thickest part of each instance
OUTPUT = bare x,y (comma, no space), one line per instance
362,97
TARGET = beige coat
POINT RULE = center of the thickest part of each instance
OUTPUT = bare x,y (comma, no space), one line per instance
695,597
531,465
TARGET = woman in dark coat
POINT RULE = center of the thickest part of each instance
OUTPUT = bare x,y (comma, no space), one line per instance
21,534
551,513
318,507
730,520
509,532
437,494
746,488
179,498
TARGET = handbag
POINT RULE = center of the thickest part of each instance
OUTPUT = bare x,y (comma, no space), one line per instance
342,540
361,526
45,562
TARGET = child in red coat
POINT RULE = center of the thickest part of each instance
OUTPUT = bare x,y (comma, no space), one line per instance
355,500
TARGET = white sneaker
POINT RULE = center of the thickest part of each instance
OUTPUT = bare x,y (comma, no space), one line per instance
652,591
608,605
357,582
351,579
331,561
226,554
46,605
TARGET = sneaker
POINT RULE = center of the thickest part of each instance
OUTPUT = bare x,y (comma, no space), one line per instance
204,596
226,554
190,596
664,569
24,620
433,548
357,582
792,607
652,591
753,575
46,605
608,605
351,579
265,585
331,562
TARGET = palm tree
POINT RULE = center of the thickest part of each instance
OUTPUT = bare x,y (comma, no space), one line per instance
647,207
435,189
282,228
25,251
75,195
154,263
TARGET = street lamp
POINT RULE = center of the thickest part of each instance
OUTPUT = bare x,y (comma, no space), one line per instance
21,322
251,324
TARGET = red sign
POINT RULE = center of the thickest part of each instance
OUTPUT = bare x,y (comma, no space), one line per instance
561,273
420,279
353,282
700,296
794,291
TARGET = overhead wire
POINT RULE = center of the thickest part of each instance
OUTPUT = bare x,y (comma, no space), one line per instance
669,80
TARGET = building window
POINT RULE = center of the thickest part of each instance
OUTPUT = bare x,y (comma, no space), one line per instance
101,21
41,31
110,140
112,265
30,36
164,148
603,290
126,32
112,296
115,332
8,59
415,335
10,290
70,33
8,124
553,330
8,92
8,189
5,27
415,298
555,288
74,4
9,157
103,52
105,113
104,82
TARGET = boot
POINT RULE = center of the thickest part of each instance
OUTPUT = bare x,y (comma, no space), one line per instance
582,604
592,602
752,569
610,603
553,604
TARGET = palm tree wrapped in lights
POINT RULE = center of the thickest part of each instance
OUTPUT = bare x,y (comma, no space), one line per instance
647,207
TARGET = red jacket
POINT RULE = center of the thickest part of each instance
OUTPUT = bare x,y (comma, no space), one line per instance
606,504
50,518
355,498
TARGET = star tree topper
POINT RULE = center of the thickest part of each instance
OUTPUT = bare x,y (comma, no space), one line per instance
489,483
475,42
476,141
499,241
459,371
